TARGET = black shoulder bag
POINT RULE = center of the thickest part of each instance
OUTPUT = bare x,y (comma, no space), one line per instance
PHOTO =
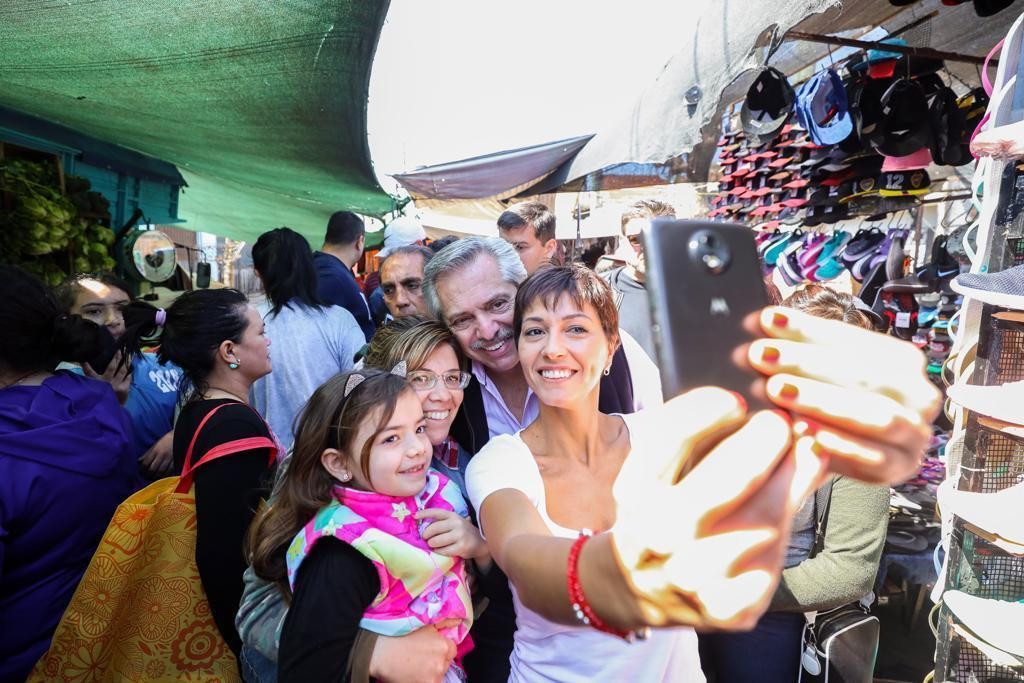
839,645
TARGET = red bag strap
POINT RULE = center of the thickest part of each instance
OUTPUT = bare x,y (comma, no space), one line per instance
219,451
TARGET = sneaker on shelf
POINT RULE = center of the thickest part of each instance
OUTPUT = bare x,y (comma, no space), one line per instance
990,512
996,622
1003,142
1002,401
1004,288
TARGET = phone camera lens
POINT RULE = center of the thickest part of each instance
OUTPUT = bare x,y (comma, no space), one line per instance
713,262
709,252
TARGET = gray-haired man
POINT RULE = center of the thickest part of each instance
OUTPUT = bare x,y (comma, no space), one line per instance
471,286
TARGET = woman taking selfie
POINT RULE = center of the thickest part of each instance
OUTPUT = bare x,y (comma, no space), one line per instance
703,550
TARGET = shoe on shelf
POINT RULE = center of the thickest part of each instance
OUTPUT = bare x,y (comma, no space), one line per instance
995,622
1004,288
997,513
1003,142
1002,401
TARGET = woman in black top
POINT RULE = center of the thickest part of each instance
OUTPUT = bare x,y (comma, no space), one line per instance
218,341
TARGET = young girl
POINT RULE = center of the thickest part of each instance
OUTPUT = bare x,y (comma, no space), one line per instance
350,535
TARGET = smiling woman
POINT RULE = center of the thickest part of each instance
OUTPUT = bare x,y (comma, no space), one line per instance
437,371
555,478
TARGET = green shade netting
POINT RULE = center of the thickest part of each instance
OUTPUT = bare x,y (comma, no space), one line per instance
260,103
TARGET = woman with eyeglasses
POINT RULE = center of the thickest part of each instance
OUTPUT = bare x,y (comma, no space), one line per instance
436,369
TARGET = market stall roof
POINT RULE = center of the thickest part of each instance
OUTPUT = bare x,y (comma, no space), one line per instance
501,174
262,106
721,49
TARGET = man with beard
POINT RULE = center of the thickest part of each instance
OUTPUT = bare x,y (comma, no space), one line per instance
628,281
471,286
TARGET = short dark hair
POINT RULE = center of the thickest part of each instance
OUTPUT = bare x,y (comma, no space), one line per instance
529,213
425,252
439,244
583,286
284,261
344,228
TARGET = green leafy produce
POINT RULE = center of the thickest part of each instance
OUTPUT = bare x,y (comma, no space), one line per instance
48,233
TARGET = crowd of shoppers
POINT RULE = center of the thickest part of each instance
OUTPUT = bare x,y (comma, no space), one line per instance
484,487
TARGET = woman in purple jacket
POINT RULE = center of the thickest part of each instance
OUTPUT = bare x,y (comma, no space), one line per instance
66,462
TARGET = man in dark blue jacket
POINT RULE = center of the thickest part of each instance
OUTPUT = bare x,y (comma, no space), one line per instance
343,247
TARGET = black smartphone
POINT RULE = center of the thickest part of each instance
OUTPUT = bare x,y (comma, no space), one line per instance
108,349
705,288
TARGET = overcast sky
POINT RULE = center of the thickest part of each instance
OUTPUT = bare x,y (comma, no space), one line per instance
459,78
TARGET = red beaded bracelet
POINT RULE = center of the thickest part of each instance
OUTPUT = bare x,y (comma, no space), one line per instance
584,612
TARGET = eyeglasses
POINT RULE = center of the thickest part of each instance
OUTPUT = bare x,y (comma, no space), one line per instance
425,380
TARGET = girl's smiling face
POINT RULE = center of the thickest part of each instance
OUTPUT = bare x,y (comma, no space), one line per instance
399,452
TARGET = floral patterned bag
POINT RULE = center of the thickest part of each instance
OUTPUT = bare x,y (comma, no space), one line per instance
140,613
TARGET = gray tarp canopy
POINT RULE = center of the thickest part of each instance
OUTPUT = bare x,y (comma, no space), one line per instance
500,174
671,141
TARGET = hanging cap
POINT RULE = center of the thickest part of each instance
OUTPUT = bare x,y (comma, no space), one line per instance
879,55
922,158
904,127
823,109
768,104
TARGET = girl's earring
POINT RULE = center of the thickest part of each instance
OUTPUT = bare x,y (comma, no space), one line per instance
346,476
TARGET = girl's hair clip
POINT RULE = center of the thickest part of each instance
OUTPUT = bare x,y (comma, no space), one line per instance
161,317
354,380
401,369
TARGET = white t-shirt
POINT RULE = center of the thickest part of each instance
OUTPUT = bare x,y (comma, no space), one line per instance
546,651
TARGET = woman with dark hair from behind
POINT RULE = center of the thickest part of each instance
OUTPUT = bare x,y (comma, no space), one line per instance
218,341
66,462
313,340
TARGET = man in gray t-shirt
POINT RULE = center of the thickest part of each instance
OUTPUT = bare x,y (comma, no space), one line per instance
628,282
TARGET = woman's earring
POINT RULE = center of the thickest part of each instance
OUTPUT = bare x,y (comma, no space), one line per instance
607,371
233,364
